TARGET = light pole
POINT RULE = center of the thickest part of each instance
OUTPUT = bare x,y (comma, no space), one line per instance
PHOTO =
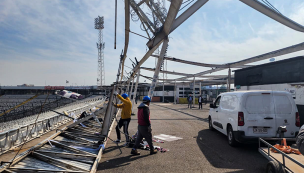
99,25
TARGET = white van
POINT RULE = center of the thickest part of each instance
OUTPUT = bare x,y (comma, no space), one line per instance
244,116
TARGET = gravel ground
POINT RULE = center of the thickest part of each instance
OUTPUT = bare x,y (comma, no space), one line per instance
200,150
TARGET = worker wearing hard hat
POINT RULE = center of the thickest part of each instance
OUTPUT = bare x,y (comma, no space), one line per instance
125,116
144,126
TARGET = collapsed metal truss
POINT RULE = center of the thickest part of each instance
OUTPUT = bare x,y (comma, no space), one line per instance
76,147
170,21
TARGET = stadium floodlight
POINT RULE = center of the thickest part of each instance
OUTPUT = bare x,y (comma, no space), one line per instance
99,25
99,22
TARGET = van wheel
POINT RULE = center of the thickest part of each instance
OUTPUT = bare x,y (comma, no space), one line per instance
231,140
210,124
274,167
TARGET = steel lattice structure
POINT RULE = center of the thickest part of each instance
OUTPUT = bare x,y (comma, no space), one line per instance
162,22
99,24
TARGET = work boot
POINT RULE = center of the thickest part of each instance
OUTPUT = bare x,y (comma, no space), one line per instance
153,151
135,152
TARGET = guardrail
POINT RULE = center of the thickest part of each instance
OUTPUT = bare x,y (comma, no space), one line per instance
48,121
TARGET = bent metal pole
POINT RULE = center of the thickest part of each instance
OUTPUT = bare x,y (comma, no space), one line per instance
128,87
193,91
175,92
130,91
200,89
135,90
108,114
163,87
157,68
229,80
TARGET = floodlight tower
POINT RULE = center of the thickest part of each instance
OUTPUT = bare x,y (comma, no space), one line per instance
99,24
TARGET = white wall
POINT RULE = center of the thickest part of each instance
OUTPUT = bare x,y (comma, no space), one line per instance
296,89
160,93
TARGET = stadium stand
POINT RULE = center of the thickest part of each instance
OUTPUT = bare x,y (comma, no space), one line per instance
14,107
18,105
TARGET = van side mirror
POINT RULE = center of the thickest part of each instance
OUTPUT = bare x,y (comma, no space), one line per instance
211,105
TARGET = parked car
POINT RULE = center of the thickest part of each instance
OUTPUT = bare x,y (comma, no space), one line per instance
244,116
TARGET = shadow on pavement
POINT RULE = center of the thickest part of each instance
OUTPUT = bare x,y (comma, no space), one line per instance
118,162
112,148
215,147
178,110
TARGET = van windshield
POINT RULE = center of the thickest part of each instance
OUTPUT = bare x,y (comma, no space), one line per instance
259,104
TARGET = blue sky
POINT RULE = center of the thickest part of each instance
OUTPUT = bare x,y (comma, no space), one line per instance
50,41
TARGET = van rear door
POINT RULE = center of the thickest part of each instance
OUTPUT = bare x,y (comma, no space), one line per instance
259,115
285,115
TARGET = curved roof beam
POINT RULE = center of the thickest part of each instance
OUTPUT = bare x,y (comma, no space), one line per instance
280,52
189,75
167,72
184,74
273,14
216,78
201,64
216,82
127,29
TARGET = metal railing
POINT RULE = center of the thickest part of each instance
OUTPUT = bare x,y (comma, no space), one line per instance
284,156
47,121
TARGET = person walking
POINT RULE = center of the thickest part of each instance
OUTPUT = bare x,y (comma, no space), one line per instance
144,127
190,99
200,102
125,117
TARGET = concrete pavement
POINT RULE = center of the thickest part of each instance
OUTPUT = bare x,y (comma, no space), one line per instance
200,150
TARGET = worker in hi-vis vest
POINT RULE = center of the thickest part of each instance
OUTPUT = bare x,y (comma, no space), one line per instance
125,119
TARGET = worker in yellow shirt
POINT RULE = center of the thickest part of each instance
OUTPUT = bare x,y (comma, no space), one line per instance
125,116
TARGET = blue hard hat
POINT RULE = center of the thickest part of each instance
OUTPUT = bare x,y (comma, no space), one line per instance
124,95
146,99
